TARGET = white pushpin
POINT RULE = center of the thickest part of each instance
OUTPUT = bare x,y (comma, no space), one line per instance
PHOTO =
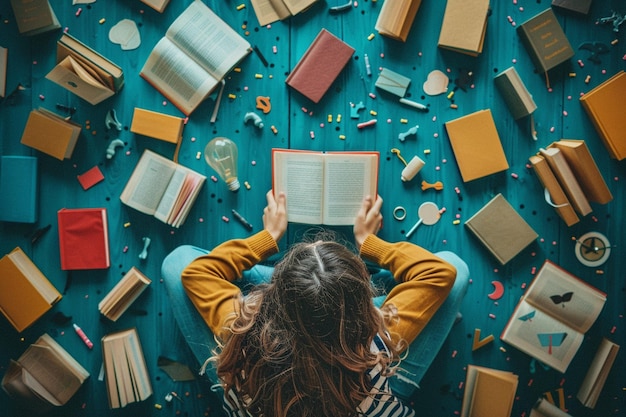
117,143
258,122
144,252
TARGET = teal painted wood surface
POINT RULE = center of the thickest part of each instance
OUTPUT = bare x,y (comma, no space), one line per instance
559,115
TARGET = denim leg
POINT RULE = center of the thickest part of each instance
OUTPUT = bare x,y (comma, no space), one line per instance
422,352
193,328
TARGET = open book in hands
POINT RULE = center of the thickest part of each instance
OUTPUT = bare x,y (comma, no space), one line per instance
324,188
551,319
197,51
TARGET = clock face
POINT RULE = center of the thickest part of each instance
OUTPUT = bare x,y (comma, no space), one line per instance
592,249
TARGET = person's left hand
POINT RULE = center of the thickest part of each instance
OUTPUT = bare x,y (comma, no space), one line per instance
275,215
368,220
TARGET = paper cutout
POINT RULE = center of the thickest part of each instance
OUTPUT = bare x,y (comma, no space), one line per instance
126,34
551,339
393,82
90,178
528,317
562,299
436,83
498,290
175,370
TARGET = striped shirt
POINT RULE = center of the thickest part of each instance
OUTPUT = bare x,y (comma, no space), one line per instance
380,403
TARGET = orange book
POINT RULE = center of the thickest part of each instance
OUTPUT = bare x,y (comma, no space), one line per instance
25,292
476,145
83,238
320,66
605,107
157,125
51,134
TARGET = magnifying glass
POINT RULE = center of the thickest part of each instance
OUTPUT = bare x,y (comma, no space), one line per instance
428,214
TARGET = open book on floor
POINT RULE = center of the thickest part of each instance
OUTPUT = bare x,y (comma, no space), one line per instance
324,188
162,188
195,54
45,375
552,317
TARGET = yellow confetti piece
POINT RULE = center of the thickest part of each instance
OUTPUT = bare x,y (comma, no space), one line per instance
258,75
342,137
450,95
405,121
370,37
232,96
373,113
241,6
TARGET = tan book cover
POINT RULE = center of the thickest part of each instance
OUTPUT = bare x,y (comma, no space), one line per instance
320,66
396,18
157,125
158,5
123,294
567,179
464,26
501,229
476,145
488,392
597,373
558,198
585,170
604,105
51,134
34,16
25,292
516,96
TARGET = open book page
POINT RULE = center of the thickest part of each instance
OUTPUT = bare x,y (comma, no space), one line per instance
177,77
170,196
565,297
349,178
296,6
300,175
542,337
269,11
187,196
148,183
208,40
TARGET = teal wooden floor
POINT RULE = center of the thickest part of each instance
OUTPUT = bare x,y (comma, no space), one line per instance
294,117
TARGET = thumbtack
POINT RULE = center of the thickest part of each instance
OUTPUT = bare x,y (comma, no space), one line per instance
111,119
117,143
146,244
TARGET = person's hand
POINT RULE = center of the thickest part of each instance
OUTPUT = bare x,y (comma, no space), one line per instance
368,220
275,215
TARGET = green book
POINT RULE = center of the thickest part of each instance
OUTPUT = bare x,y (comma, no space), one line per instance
545,41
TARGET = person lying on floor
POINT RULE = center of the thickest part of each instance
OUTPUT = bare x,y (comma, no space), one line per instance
311,337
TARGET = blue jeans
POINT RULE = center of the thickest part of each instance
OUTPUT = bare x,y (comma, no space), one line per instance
419,356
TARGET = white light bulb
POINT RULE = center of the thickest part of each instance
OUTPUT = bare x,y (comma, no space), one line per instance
221,155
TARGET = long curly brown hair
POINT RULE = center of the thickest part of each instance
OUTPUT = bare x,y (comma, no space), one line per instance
300,345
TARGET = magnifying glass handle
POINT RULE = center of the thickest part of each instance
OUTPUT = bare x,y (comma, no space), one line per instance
410,232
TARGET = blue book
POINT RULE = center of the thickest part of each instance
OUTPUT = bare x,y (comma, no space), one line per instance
18,189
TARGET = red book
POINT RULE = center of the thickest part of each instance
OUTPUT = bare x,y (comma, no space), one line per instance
83,238
320,66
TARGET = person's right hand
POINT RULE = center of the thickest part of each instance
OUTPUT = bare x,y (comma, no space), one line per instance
275,215
368,220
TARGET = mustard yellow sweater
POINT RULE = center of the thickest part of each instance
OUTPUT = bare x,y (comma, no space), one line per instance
424,280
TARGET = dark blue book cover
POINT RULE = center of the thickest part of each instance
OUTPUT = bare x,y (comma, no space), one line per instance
18,189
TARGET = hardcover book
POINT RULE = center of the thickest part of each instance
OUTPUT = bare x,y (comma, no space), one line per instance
476,145
577,6
162,188
157,125
488,392
604,106
269,11
196,53
501,229
83,238
123,294
85,72
44,376
25,292
125,370
597,373
550,321
320,66
50,133
34,16
396,18
464,26
18,188
4,55
516,96
158,5
324,188
545,41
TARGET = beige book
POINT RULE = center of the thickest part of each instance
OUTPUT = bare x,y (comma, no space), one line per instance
34,16
597,373
464,26
123,294
158,5
516,96
396,18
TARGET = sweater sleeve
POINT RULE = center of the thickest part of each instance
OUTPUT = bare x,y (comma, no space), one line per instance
208,279
424,281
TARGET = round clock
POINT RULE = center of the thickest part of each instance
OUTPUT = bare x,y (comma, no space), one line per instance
592,249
